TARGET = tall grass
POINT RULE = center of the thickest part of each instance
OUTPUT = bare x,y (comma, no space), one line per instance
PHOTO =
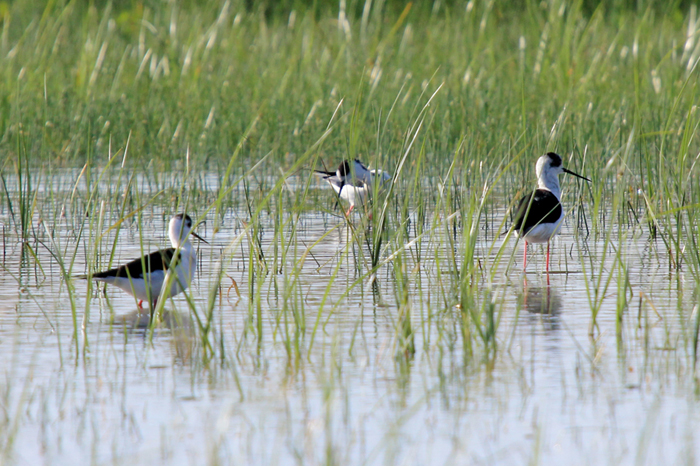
113,118
217,89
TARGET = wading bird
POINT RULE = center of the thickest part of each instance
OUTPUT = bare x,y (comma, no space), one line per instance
144,277
539,215
353,181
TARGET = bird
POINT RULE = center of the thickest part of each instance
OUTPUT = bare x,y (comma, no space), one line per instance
353,181
145,277
539,214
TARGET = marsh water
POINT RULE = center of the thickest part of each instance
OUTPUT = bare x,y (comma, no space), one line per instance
309,372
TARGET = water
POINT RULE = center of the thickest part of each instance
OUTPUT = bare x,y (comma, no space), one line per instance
550,393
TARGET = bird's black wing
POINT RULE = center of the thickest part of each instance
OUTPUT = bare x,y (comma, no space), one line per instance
159,260
541,206
344,169
361,164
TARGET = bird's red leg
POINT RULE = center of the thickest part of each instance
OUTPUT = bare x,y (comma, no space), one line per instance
547,267
140,303
349,210
525,257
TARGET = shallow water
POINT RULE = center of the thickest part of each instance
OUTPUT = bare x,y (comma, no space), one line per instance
316,378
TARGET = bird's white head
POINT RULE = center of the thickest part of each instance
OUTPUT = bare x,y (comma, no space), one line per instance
180,229
382,175
548,168
550,164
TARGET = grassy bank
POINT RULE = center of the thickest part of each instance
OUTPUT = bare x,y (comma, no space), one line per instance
514,81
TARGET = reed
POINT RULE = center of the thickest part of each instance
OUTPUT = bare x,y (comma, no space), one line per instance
115,116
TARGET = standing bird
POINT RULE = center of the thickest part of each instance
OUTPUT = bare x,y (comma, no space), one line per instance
144,278
353,181
539,214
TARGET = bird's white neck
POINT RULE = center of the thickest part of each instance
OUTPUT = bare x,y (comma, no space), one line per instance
185,246
550,182
178,242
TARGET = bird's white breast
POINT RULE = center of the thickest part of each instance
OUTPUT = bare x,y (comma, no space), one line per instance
137,286
182,274
352,194
543,232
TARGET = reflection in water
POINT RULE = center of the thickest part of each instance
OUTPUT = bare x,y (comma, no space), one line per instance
545,301
180,327
319,372
141,319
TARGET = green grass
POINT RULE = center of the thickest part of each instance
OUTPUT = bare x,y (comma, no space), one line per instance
114,117
515,80
457,102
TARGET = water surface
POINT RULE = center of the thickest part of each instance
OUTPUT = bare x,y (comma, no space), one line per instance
315,376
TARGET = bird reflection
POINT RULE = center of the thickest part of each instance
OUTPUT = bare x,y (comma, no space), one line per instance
181,333
141,320
544,301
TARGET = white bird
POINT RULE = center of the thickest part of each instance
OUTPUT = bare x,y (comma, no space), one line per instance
144,277
539,214
353,181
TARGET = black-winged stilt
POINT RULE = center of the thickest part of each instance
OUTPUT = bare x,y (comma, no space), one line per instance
539,215
353,181
144,277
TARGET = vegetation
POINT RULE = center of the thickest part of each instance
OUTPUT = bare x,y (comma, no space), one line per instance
114,116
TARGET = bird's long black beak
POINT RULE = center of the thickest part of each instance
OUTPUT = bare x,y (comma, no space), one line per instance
198,237
575,174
